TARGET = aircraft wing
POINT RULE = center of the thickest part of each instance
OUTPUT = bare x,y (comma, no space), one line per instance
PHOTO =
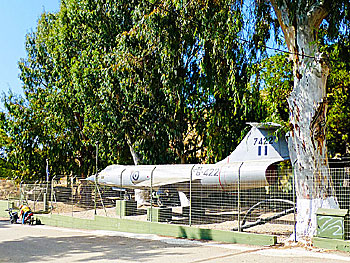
169,174
161,182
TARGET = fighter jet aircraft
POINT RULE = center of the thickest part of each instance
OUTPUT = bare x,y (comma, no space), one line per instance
252,163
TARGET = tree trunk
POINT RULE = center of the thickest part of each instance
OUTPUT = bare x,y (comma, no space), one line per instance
307,143
308,107
132,150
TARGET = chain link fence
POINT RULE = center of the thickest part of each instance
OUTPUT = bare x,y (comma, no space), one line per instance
257,207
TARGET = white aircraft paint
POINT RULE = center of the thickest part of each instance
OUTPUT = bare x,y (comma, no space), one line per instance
253,161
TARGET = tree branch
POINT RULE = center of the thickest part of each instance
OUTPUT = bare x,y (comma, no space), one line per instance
317,13
132,150
286,22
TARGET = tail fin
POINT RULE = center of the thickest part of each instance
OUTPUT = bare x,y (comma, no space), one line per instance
259,144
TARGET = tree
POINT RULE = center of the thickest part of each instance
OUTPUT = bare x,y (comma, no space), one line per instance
6,168
338,86
194,72
151,82
304,26
22,138
300,22
131,74
274,75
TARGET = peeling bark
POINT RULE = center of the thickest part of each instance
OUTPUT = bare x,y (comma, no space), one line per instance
308,107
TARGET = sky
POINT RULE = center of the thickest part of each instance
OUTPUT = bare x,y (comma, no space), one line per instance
17,18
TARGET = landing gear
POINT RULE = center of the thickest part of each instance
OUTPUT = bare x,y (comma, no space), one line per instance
166,196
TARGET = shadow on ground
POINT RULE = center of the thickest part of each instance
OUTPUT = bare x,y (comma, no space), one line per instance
4,223
90,247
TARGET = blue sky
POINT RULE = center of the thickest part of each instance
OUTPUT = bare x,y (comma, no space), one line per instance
18,17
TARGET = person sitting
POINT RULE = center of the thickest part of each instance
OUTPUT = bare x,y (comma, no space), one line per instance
25,212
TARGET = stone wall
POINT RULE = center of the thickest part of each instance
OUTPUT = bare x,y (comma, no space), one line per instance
8,190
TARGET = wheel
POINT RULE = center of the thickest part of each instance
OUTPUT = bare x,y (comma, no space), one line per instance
127,196
168,196
159,202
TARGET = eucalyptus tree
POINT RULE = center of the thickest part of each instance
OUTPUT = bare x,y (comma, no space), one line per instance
62,76
225,76
177,52
6,168
21,139
274,76
157,78
338,87
151,79
300,23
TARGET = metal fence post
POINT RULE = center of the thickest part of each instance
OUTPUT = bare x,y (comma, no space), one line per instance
51,208
96,176
71,187
294,206
121,186
34,194
190,208
20,193
103,205
95,194
239,198
152,193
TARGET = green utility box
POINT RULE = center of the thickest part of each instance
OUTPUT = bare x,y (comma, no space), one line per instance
126,207
330,223
159,214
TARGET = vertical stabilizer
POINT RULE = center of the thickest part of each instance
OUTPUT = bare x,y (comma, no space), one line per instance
260,143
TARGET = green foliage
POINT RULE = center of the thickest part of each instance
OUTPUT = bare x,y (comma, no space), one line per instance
168,79
275,77
338,121
171,80
6,168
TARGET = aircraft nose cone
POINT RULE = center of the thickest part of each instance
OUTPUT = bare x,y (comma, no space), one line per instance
91,178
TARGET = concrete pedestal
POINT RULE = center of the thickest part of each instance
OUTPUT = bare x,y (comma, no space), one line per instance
126,207
159,214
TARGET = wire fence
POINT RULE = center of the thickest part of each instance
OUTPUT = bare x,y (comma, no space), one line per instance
249,206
